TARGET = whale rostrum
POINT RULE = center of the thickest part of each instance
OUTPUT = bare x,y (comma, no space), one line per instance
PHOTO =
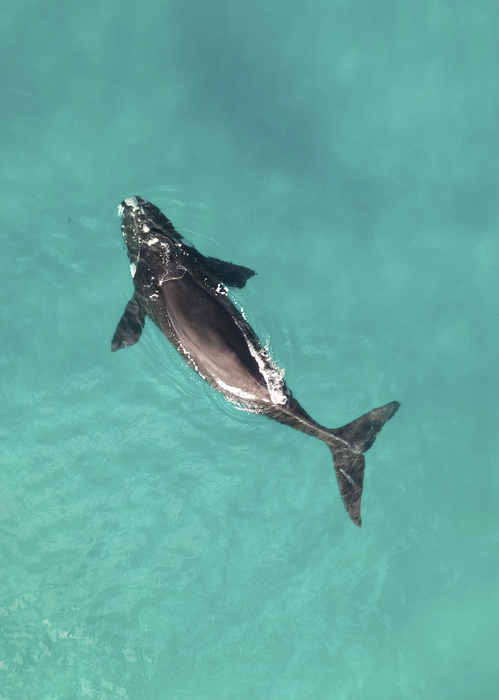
186,295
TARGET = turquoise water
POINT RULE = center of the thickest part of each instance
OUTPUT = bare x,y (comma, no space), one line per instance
156,542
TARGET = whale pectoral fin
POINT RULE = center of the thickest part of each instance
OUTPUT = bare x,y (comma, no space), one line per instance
130,327
225,272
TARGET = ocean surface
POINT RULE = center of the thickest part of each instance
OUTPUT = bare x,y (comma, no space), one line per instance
158,543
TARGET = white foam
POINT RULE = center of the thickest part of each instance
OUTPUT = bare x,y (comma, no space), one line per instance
272,374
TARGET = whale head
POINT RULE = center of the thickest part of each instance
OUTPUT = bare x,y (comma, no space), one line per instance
137,223
145,228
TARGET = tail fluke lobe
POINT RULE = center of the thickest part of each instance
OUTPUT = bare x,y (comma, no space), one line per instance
349,468
348,459
362,432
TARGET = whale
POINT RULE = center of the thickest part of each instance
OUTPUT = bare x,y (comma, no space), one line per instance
186,294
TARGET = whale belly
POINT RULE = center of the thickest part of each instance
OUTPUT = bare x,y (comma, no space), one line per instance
210,335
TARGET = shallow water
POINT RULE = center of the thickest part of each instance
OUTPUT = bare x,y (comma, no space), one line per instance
156,541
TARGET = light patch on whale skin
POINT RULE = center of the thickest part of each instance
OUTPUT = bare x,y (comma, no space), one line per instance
132,202
347,477
272,374
190,360
133,269
146,228
222,289
152,241
234,391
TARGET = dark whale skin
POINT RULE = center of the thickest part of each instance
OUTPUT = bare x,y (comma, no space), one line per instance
185,294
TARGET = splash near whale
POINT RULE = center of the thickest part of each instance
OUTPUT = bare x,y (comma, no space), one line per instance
186,295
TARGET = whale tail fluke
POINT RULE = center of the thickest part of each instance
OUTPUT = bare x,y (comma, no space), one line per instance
348,459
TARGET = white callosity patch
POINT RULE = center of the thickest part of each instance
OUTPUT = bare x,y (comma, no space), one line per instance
133,269
146,228
132,202
152,241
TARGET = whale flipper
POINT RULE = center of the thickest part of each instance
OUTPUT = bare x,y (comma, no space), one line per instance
225,272
129,329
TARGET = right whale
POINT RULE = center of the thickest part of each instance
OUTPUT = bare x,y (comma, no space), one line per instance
185,294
